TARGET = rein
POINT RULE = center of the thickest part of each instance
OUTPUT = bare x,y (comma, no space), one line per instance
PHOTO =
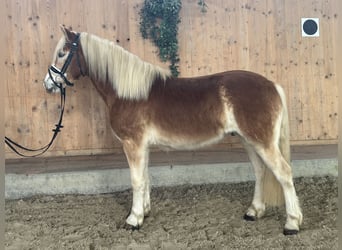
16,146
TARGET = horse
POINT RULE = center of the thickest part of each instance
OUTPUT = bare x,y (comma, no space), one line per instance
147,106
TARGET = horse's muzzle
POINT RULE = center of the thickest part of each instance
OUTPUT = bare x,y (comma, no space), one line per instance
50,85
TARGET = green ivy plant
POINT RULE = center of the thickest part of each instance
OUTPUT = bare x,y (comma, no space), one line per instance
203,6
159,22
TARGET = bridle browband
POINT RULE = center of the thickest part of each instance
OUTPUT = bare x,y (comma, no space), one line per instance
16,146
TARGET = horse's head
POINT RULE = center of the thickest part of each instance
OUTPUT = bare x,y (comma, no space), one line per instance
67,63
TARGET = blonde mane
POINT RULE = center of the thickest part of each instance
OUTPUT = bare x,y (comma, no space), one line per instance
131,77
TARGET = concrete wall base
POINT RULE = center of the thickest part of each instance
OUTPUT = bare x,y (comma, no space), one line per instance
107,181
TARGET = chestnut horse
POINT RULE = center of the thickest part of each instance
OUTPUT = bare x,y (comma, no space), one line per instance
147,106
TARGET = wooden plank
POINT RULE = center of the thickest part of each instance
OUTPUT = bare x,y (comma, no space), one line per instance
185,39
112,161
262,36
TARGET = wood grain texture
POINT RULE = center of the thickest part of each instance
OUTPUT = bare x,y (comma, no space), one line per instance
261,36
158,158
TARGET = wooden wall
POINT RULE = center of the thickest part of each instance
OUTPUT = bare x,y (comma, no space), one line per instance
262,36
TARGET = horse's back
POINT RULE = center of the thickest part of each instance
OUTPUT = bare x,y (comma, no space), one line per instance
246,91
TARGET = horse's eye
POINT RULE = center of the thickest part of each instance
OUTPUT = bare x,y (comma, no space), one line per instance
61,54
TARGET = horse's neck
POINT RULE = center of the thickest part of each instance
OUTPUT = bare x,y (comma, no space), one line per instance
106,91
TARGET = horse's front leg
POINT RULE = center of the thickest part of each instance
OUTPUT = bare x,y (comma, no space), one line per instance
137,157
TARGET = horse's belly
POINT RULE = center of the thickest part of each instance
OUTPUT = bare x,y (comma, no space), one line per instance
180,141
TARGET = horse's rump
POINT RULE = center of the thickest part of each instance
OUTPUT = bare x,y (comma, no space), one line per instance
256,104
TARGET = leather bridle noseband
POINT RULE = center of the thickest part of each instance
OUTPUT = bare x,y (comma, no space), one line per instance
16,146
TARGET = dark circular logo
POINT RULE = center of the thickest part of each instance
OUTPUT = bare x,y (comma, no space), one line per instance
310,27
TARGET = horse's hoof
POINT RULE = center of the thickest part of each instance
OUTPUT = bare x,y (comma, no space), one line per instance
249,217
131,228
135,228
290,231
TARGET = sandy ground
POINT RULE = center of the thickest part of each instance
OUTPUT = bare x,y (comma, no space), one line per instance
185,217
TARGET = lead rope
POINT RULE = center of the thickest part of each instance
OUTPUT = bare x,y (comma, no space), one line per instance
16,146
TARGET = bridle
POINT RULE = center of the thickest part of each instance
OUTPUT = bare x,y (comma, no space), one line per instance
60,72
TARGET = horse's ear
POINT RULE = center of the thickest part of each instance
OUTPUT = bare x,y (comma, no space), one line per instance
67,33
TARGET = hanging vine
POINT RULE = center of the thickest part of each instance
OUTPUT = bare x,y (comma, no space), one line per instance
159,22
203,6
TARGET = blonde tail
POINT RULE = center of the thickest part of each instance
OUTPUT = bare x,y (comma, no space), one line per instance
273,192
284,140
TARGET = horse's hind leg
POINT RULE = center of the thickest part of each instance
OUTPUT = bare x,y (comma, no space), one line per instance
147,190
137,157
257,208
274,160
